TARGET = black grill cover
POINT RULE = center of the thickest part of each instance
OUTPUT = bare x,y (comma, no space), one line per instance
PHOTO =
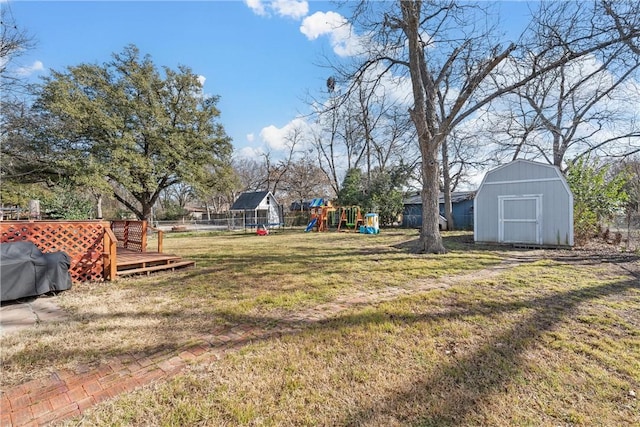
27,272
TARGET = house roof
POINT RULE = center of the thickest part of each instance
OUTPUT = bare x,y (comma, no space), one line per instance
249,201
456,197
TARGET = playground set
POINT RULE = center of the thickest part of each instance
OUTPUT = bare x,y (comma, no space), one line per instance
324,216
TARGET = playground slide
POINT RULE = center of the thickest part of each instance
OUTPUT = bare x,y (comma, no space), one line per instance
311,224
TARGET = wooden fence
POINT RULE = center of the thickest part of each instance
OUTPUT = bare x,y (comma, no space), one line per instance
86,242
131,235
92,245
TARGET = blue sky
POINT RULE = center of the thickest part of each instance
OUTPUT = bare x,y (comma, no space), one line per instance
257,60
262,57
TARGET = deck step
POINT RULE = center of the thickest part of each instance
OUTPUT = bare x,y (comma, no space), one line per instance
127,260
170,266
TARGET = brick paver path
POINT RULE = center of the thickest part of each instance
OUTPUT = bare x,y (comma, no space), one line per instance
66,394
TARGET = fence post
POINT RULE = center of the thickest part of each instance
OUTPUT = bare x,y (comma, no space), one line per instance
110,265
143,237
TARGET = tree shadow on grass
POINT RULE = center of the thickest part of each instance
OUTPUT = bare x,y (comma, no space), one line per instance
465,385
488,370
455,242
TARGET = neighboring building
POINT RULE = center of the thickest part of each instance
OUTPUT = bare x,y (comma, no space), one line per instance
257,208
524,202
195,213
461,207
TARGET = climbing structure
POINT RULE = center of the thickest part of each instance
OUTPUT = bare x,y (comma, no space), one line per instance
321,215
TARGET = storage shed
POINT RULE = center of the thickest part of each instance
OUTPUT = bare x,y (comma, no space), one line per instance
256,208
524,203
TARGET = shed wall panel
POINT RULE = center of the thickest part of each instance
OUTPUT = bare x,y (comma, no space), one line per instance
527,178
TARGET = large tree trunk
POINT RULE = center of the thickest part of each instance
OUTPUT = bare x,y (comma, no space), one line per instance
424,118
147,207
99,206
446,186
430,238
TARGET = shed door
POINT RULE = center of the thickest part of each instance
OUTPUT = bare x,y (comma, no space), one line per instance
520,219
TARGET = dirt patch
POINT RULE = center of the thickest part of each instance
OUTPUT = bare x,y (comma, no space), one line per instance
598,252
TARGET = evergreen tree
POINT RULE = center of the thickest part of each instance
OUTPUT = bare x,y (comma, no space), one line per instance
127,124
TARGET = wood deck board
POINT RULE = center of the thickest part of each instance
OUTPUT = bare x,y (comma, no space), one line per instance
129,262
127,258
171,266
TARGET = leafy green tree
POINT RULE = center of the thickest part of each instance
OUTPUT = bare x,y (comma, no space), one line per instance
352,191
126,124
382,195
596,195
385,199
632,187
220,189
66,202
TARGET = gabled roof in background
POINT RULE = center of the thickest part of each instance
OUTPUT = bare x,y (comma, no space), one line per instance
249,201
456,197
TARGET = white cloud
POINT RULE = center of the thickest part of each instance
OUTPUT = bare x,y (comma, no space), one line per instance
202,79
286,8
257,6
273,137
291,8
251,137
322,23
30,69
343,41
331,24
279,139
249,153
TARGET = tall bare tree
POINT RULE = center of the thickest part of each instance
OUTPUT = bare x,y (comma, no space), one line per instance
14,42
451,51
303,181
584,107
460,157
14,108
362,128
325,141
277,171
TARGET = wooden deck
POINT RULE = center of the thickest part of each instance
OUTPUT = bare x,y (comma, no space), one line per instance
129,262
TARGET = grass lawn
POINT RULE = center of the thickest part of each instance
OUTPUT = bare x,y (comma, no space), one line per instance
370,333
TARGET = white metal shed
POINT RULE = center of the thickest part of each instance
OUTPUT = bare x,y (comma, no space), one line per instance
524,202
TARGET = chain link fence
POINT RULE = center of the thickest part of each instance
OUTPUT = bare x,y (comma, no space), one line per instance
623,231
225,224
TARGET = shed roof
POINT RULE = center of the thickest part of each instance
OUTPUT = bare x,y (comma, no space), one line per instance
456,197
522,170
249,201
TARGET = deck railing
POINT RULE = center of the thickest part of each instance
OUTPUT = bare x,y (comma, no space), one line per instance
132,235
83,241
92,245
110,250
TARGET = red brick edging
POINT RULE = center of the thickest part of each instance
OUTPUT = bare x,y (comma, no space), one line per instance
66,394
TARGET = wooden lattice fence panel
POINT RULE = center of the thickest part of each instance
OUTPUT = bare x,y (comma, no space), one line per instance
83,241
130,234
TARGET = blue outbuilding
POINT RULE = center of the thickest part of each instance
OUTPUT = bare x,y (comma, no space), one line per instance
461,206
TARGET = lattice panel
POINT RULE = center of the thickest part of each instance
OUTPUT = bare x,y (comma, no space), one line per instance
119,229
130,234
82,240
